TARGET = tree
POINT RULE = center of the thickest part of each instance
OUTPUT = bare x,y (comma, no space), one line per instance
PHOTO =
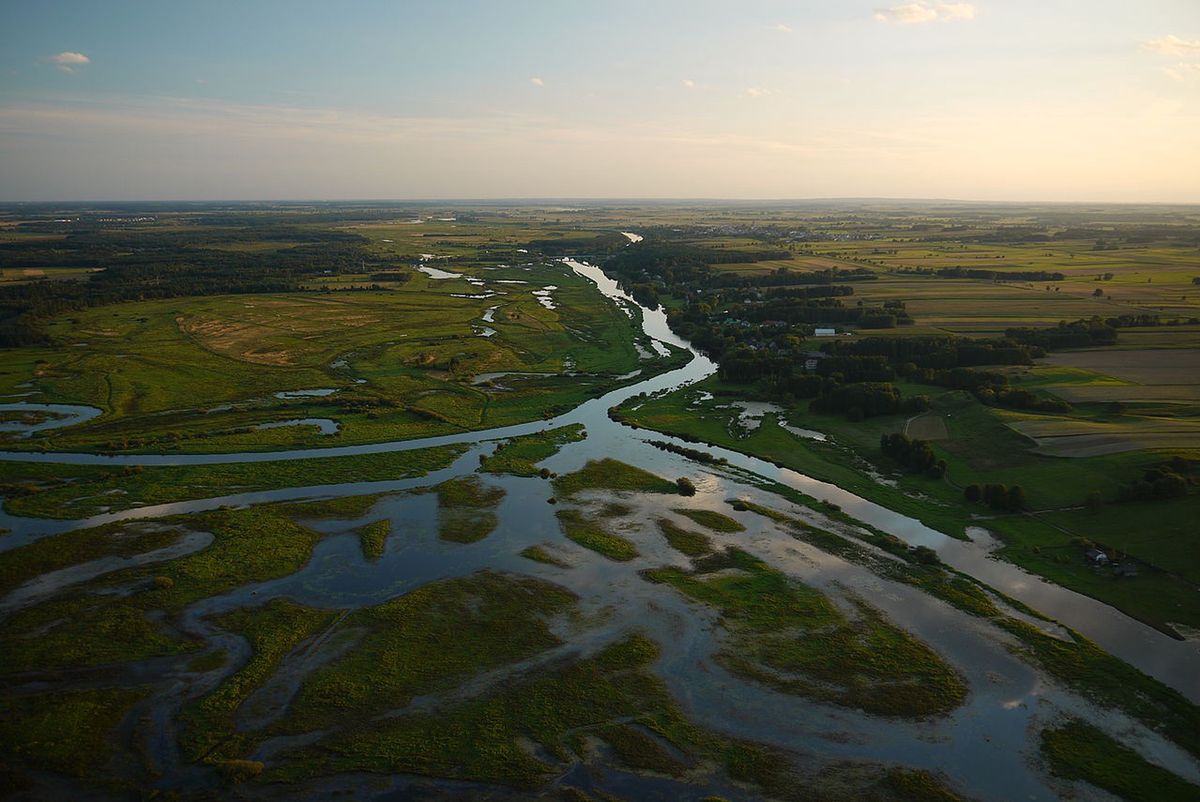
1094,501
973,493
996,496
686,488
1016,498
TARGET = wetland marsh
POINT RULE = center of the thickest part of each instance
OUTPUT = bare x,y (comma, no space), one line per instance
412,616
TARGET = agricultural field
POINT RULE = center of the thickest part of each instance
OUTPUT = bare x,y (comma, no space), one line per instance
1098,278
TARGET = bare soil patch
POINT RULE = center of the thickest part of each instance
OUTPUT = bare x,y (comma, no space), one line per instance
1155,366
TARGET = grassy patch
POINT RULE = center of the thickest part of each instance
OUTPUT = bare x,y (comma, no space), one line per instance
916,785
273,630
70,732
685,541
520,455
373,538
710,519
611,474
344,507
1111,682
429,641
51,554
590,535
77,491
85,631
1078,751
468,492
636,749
480,739
88,629
790,636
487,738
1078,663
540,555
1155,597
614,509
466,509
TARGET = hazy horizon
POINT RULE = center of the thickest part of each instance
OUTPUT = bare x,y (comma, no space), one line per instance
977,102
533,200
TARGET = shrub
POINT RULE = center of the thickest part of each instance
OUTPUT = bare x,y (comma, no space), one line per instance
926,555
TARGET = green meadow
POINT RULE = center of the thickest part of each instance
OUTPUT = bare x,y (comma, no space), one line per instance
403,352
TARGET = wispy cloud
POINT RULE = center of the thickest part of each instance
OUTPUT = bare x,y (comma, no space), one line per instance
1184,71
779,26
69,60
955,11
1172,45
757,91
688,83
537,81
919,12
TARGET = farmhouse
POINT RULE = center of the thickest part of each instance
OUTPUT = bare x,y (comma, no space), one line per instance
813,358
1096,557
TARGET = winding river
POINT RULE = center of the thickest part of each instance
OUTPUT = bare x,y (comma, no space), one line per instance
988,736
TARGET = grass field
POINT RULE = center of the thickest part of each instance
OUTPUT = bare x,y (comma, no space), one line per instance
78,491
1079,751
794,638
201,374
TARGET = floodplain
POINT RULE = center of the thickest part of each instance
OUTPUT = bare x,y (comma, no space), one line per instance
566,537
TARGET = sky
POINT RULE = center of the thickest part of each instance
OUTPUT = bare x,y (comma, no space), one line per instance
1009,100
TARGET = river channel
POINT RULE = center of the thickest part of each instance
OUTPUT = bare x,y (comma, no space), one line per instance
988,738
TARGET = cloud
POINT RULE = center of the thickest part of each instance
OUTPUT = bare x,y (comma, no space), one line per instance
688,83
537,81
1184,71
1172,45
757,91
919,12
956,11
779,26
68,60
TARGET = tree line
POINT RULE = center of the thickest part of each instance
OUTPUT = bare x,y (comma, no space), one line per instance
135,266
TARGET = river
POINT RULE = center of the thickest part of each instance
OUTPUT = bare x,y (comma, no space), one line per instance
983,745
1177,663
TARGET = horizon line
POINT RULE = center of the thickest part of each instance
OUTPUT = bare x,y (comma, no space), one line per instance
532,199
